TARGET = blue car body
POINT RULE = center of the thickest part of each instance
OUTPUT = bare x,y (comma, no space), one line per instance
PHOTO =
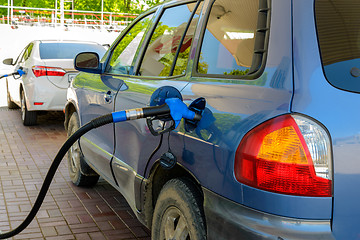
292,81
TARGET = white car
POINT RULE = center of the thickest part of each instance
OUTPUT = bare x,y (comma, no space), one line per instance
49,69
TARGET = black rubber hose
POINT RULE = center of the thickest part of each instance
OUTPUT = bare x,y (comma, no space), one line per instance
95,123
161,112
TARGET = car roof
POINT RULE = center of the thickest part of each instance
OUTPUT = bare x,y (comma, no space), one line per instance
66,41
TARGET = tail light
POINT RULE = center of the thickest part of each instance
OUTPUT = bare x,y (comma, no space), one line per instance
48,71
289,154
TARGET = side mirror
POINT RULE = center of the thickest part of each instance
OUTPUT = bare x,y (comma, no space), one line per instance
8,61
88,62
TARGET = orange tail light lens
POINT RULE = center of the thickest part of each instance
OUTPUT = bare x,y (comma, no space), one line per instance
275,157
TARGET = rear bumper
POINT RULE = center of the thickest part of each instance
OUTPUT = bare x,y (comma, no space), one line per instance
51,97
226,219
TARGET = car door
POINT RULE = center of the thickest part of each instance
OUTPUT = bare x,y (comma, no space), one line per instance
158,67
14,82
95,94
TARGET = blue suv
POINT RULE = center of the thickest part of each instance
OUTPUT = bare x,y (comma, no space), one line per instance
275,153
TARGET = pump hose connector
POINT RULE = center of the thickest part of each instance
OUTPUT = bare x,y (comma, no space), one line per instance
173,107
18,72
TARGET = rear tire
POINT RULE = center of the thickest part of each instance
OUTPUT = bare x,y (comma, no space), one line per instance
29,118
178,212
10,103
81,174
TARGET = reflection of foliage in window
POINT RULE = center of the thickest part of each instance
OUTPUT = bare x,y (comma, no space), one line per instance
159,31
168,58
167,61
182,59
202,66
237,72
130,36
180,63
261,81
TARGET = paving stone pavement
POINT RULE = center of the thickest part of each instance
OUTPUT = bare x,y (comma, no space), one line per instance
68,212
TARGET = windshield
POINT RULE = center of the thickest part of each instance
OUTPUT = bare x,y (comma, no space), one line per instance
68,50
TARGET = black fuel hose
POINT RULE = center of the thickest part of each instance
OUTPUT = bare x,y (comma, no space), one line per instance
95,123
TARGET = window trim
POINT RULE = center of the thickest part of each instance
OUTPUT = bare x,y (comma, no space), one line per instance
121,37
253,72
173,66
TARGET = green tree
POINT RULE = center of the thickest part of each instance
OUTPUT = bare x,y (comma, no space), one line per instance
152,3
125,6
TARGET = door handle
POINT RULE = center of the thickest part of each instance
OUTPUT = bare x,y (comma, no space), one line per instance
108,97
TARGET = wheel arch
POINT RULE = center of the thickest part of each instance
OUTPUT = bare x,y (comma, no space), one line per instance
70,108
157,179
21,90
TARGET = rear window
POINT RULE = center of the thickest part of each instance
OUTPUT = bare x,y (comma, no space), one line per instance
68,50
338,31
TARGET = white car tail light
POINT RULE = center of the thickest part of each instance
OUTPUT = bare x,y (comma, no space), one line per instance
48,71
289,154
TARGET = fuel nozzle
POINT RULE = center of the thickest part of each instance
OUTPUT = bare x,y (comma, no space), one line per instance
19,72
179,110
173,107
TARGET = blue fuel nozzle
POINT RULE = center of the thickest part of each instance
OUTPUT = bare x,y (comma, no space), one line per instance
179,110
173,107
20,72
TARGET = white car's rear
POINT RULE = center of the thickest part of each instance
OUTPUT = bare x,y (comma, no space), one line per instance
49,70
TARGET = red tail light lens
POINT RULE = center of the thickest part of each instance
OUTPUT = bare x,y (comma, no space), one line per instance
48,71
275,157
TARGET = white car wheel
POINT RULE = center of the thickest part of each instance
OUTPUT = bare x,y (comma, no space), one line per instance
28,118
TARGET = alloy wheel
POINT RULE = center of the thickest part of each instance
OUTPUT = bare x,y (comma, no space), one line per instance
75,156
174,225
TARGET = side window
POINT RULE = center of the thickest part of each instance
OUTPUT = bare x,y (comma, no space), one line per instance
235,38
123,55
25,54
161,51
28,52
337,25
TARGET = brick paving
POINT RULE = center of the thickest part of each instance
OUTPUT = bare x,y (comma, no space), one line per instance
68,212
